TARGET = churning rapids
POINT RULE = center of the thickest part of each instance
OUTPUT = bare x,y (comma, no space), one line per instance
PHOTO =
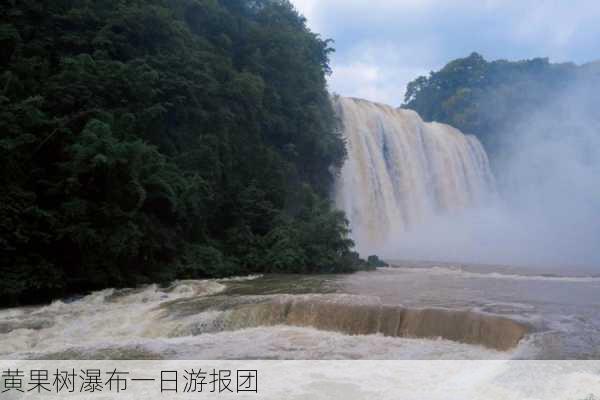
438,312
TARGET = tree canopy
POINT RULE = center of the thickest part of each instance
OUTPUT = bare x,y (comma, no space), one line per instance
147,140
490,99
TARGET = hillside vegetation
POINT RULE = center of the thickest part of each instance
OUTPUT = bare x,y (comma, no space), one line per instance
498,99
149,140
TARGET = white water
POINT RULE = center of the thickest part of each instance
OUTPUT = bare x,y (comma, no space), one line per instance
151,322
402,172
206,320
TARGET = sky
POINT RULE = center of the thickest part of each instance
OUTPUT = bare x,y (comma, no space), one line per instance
381,45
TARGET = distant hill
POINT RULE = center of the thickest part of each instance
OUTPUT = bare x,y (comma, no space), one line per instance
493,100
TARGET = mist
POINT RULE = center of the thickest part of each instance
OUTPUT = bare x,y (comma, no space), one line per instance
546,212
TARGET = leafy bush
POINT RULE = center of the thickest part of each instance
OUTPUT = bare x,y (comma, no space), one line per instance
376,262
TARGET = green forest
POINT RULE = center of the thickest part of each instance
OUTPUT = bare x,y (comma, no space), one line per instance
151,140
492,99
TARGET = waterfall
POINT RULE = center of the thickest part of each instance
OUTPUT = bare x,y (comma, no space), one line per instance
402,172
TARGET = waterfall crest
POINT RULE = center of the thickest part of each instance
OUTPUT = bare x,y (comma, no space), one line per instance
402,172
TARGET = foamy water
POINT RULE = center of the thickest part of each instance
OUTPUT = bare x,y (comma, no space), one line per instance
459,271
103,318
241,318
402,172
186,320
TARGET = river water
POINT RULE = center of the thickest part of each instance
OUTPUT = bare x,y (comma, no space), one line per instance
355,316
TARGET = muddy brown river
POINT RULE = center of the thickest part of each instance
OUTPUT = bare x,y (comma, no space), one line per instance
415,311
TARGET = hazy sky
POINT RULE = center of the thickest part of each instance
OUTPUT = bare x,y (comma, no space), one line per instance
381,45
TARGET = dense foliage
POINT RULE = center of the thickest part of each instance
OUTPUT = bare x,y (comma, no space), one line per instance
147,140
490,99
375,262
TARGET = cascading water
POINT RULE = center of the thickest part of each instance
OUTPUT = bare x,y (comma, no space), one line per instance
214,319
402,172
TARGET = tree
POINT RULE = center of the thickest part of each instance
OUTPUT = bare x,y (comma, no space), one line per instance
148,140
491,99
